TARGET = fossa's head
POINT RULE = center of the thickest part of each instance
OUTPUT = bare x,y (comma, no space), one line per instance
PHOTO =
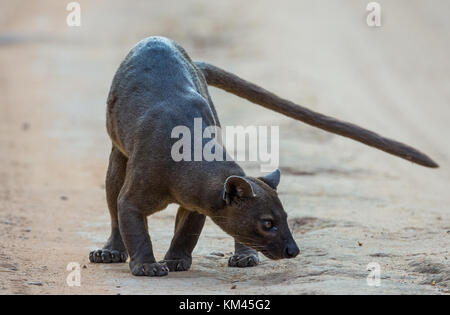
255,217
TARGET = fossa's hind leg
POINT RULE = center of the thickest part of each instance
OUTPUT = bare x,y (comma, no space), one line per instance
114,250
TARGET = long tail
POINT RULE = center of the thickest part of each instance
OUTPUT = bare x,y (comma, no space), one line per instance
255,94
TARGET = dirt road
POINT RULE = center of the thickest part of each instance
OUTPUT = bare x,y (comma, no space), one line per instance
348,205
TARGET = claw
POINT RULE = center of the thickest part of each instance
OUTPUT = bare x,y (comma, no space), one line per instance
107,256
243,260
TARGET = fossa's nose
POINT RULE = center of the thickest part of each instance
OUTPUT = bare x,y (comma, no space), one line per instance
291,250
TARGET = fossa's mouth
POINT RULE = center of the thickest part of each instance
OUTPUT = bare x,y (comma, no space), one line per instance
266,253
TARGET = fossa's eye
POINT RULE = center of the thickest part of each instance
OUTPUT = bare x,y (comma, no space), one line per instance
268,225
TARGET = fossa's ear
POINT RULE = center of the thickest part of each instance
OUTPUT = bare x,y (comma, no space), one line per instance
272,179
237,186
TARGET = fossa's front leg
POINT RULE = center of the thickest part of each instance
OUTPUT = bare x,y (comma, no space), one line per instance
188,226
136,201
244,256
134,232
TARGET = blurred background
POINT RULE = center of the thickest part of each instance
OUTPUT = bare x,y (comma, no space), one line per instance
348,204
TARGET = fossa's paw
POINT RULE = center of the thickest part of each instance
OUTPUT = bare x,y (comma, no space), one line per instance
149,269
178,264
107,256
243,260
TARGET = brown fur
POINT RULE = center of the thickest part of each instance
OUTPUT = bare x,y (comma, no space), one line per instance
156,88
255,94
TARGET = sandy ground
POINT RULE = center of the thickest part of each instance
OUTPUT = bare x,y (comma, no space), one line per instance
348,205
